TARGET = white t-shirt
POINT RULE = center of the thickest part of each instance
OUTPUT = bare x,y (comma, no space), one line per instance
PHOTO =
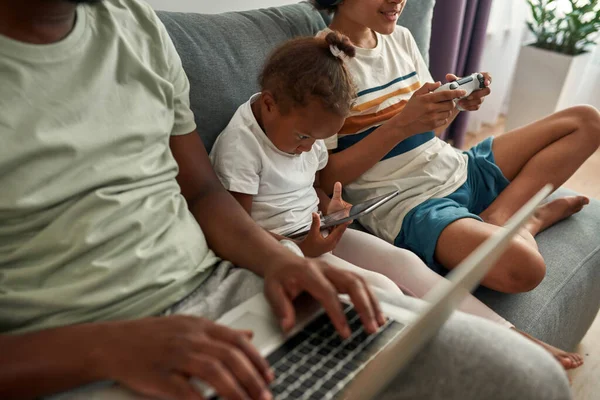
421,167
281,184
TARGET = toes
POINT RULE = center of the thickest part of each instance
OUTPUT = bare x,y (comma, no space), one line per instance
566,362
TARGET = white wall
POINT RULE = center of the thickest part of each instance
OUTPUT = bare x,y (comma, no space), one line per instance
215,6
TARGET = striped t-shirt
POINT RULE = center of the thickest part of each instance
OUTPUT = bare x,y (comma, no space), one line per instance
421,167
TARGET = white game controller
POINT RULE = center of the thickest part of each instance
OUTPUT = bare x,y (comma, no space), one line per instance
469,83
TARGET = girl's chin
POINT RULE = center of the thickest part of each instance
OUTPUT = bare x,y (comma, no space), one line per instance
386,29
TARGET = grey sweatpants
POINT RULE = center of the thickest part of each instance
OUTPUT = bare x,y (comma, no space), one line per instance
470,358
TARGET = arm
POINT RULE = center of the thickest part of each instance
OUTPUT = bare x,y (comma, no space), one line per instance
60,359
314,244
245,201
425,111
52,359
230,231
232,234
324,200
438,131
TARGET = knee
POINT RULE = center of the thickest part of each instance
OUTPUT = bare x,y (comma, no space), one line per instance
588,120
381,282
547,381
526,268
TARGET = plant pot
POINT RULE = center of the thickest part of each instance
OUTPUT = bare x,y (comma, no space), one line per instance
544,82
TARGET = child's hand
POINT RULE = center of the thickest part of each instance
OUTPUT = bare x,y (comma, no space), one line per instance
336,203
474,101
426,111
314,244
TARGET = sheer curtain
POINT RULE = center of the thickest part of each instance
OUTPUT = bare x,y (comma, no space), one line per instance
506,33
588,91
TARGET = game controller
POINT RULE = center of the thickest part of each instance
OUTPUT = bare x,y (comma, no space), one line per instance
469,83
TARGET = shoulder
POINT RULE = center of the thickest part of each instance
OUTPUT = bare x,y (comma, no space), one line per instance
134,22
239,135
131,12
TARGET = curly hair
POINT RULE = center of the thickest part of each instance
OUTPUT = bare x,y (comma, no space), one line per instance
306,68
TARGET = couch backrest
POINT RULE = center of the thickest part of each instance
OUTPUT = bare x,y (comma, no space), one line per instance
222,54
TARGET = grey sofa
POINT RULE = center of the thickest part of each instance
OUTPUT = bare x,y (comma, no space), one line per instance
222,55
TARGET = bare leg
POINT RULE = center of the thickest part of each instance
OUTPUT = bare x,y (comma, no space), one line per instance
407,270
520,269
568,360
547,151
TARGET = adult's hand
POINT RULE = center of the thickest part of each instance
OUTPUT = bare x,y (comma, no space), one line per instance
284,281
157,356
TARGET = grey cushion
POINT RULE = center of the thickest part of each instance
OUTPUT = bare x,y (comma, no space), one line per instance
561,309
223,54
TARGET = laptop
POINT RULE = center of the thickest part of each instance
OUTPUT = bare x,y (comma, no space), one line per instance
312,362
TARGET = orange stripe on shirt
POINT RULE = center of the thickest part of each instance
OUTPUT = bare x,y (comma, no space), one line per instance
379,100
361,122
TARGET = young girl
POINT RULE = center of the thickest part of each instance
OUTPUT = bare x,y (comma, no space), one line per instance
450,201
270,155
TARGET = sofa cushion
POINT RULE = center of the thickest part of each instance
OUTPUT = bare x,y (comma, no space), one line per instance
222,55
562,308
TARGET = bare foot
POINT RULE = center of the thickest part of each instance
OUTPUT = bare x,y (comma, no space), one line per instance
556,210
567,360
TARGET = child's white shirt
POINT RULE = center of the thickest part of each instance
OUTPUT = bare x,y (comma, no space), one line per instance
247,162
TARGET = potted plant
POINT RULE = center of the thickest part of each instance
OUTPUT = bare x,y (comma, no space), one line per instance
551,68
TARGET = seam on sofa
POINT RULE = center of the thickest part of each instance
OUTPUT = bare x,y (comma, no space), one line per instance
565,282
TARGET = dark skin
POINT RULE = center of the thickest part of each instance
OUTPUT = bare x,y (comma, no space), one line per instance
173,348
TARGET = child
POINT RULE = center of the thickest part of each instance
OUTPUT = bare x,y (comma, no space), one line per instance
269,156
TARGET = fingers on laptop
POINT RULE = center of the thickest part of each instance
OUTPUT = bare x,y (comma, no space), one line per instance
364,300
227,361
281,303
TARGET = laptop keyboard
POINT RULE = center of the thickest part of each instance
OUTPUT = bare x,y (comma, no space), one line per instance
317,364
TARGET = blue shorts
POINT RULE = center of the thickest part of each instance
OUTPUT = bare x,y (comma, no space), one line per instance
423,225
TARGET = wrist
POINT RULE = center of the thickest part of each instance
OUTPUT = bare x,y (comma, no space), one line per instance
100,356
395,132
289,252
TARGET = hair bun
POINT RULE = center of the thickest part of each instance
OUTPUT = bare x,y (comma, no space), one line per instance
342,42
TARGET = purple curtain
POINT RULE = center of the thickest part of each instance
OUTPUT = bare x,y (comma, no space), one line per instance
457,43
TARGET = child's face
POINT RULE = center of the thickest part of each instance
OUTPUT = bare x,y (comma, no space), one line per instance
378,15
296,130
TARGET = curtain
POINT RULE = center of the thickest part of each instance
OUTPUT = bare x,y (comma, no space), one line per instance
457,45
506,33
588,91
504,37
